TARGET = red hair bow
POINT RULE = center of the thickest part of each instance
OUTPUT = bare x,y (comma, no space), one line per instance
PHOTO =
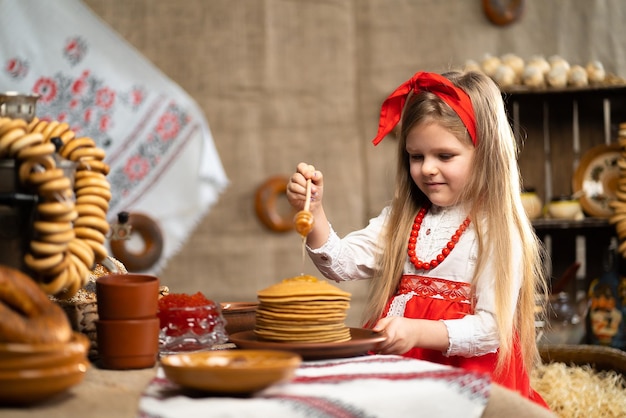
437,84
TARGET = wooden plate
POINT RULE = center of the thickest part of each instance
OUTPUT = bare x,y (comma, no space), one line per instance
362,341
596,179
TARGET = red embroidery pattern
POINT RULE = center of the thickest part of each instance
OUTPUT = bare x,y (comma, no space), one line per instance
17,68
429,287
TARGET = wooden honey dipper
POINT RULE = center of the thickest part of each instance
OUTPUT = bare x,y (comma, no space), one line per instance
304,218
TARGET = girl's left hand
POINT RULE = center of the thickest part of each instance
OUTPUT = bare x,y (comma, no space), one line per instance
400,333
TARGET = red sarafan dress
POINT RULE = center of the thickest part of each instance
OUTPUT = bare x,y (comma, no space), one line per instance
440,299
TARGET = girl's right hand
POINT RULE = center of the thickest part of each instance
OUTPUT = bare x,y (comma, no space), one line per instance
296,188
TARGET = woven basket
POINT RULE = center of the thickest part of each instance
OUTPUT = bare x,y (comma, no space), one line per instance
599,357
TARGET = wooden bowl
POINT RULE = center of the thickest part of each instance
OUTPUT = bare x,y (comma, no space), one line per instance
230,371
239,316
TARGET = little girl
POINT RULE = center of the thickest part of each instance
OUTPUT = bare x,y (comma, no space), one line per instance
454,261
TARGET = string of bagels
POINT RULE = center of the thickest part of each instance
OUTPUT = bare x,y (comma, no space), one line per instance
70,226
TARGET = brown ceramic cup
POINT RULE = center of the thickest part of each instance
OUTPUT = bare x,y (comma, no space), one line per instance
127,296
128,343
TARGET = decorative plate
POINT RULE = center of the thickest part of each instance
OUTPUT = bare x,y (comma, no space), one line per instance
596,179
362,341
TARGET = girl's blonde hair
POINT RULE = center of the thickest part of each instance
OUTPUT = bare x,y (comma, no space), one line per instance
493,194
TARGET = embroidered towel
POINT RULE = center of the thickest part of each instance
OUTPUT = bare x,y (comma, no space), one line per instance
163,161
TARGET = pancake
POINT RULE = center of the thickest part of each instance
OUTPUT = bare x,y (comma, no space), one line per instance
302,309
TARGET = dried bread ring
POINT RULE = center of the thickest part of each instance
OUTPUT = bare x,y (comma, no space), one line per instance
89,234
85,209
82,251
94,165
54,271
58,130
67,136
8,139
68,217
152,237
48,227
101,202
81,174
89,181
13,124
266,204
39,150
55,186
99,250
46,248
49,128
39,126
35,164
73,282
95,191
27,315
88,153
25,141
81,268
50,209
42,263
38,178
58,238
31,125
74,144
94,222
54,284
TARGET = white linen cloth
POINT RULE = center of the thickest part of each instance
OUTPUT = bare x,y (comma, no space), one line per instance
366,386
163,161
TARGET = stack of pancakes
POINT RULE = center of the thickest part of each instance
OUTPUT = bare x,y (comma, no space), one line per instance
302,309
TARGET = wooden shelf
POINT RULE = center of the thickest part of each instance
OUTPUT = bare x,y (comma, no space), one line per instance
584,224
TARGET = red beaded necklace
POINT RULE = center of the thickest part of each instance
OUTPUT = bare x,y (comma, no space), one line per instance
417,223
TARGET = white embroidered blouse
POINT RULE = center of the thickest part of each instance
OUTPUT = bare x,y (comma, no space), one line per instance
353,258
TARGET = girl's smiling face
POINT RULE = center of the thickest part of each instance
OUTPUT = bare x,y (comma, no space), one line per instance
440,164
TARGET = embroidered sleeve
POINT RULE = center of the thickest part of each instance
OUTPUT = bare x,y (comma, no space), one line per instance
352,257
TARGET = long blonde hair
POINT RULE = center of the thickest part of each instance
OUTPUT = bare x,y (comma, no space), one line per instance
493,192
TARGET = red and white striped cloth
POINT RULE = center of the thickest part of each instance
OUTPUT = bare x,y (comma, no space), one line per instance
366,386
163,160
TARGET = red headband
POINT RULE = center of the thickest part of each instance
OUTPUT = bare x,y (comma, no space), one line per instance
437,84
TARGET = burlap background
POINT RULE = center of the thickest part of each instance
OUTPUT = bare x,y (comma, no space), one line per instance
285,81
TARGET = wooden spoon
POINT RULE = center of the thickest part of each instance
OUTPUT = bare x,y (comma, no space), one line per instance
304,218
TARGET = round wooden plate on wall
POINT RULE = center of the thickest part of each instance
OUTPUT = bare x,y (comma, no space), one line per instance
596,179
503,12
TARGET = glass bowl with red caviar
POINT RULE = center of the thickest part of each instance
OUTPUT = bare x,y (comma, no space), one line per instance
189,323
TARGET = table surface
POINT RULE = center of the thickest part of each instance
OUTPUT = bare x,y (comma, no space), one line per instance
102,394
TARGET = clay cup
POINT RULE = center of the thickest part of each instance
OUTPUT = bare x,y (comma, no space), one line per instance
127,296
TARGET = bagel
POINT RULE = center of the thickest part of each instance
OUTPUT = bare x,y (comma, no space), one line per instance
102,192
27,315
152,237
87,209
90,153
44,162
40,177
94,165
265,203
47,148
76,143
98,201
94,222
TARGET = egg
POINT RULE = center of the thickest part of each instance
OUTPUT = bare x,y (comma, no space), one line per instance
577,76
504,76
557,76
533,76
595,72
490,64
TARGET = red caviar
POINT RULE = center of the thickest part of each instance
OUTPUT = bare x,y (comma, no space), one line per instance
177,313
